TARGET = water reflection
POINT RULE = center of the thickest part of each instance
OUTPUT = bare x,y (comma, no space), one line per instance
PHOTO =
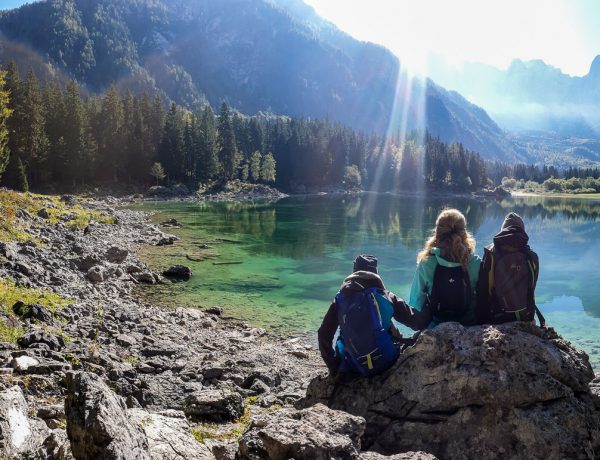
290,256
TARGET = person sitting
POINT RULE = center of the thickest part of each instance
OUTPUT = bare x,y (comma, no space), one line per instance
508,277
447,271
362,310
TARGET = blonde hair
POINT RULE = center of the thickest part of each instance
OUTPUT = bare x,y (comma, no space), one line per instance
451,236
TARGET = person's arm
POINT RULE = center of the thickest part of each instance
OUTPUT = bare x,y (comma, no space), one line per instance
417,320
418,288
326,334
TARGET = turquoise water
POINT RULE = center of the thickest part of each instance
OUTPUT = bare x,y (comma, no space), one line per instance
278,265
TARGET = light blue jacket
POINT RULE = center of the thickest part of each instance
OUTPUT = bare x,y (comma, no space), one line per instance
423,280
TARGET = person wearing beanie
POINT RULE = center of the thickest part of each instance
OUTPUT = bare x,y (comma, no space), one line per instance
362,312
508,276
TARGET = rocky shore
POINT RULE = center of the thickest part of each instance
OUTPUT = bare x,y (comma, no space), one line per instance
89,371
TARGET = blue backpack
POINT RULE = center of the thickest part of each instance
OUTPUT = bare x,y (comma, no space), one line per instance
365,345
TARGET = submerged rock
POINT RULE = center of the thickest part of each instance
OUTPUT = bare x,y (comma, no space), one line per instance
97,422
178,272
494,392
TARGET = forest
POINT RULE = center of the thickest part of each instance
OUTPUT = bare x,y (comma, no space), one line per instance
54,137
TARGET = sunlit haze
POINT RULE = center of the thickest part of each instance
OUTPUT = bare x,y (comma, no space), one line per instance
563,33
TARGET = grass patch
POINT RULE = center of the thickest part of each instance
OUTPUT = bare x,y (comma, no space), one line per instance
133,360
10,293
11,202
9,333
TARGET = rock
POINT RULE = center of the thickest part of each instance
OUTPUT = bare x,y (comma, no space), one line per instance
21,436
96,274
22,363
54,342
43,213
144,277
166,240
403,456
214,405
57,446
178,272
316,433
8,250
68,216
97,422
218,311
35,311
125,340
69,200
86,262
19,308
169,436
23,268
506,391
171,223
116,255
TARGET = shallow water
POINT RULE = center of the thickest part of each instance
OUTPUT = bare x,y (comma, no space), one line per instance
278,265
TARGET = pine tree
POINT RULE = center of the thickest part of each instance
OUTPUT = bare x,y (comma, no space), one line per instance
5,113
34,150
74,136
228,154
208,164
255,161
158,172
268,169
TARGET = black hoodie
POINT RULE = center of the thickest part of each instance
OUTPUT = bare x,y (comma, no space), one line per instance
512,236
359,281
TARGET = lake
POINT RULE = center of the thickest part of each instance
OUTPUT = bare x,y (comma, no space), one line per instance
278,265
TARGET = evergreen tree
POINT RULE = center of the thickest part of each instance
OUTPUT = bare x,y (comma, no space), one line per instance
268,169
208,163
75,154
171,150
5,113
255,161
158,172
228,154
35,146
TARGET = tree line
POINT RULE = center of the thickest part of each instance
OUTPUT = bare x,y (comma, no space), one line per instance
54,137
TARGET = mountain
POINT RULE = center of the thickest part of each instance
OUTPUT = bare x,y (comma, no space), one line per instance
553,116
274,56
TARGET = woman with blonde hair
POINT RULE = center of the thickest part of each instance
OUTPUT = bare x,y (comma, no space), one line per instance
447,271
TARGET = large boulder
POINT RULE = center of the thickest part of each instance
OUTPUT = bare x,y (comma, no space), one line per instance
169,436
20,436
214,405
316,433
97,422
494,392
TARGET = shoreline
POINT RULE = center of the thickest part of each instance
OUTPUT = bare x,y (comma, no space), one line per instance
155,358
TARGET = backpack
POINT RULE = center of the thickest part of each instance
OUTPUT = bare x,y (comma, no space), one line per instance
365,345
450,296
511,284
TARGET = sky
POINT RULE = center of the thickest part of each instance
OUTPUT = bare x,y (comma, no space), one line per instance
563,33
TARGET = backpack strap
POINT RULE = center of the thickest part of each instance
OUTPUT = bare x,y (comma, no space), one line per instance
533,268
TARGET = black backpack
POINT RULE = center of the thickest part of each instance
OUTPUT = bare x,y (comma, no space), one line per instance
450,296
511,284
